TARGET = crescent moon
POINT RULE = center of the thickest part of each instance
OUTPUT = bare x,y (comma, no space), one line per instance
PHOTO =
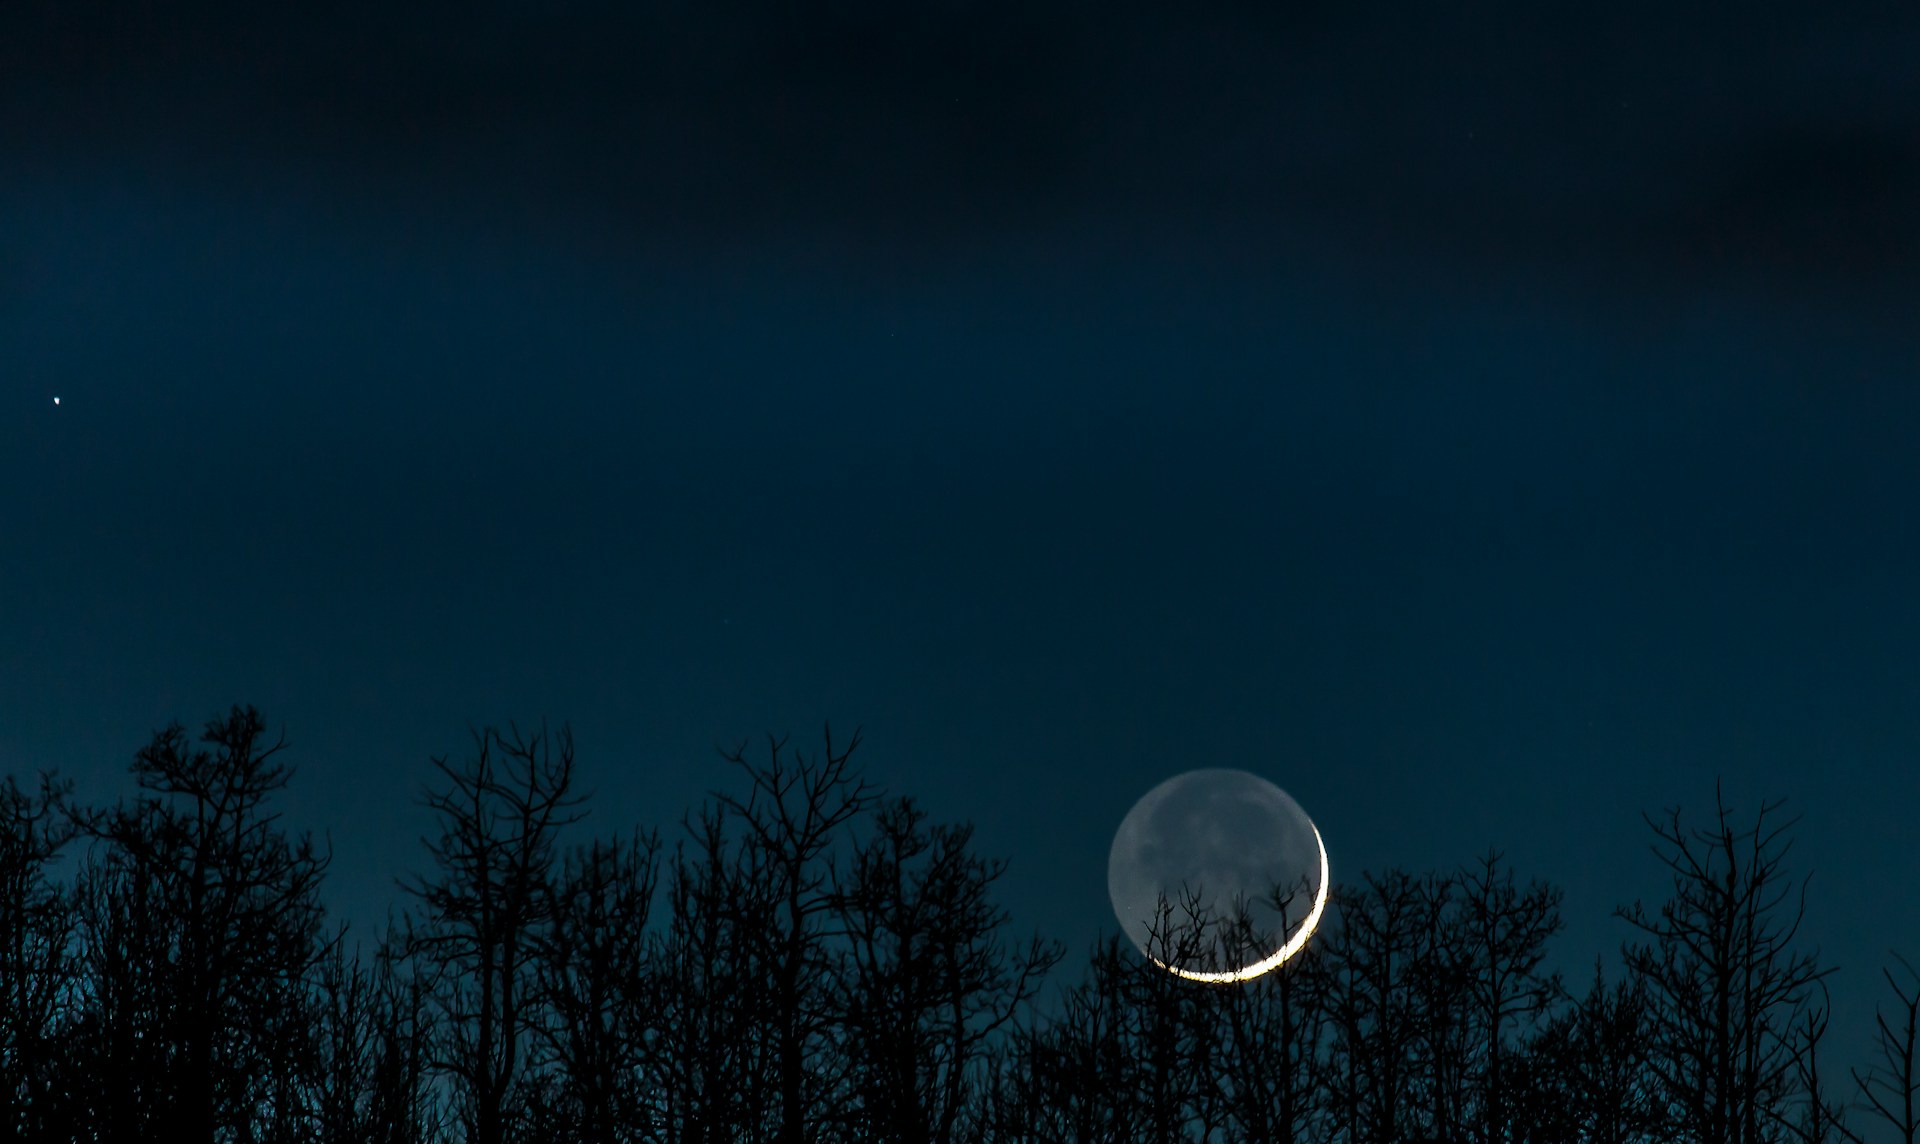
1294,944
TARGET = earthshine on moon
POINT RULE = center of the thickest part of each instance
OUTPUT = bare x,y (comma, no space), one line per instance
1224,841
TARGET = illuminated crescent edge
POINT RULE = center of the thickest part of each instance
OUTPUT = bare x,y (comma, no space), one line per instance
1293,946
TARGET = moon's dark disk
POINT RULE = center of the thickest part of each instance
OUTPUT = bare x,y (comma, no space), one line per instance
1223,841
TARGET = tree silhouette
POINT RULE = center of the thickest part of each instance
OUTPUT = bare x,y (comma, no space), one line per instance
710,1058
1133,1050
1271,1030
486,904
832,967
113,1077
404,1106
1725,982
372,1050
796,810
1115,1062
929,982
1386,928
346,1048
1890,1087
595,988
1499,933
36,967
1585,1075
1444,1050
1819,1118
199,921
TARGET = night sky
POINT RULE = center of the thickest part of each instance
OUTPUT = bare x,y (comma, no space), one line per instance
1488,422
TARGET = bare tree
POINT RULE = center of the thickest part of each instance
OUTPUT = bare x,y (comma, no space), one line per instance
834,968
931,983
370,1082
595,988
795,811
404,1106
1271,1034
1501,933
346,1047
1373,956
1890,1087
487,904
1443,1050
199,922
114,1073
36,967
709,1062
1175,1023
1725,981
1124,1057
1585,1075
1819,1118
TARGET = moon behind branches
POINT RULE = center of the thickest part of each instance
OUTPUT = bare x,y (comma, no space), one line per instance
1228,839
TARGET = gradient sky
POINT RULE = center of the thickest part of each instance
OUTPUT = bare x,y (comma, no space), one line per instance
1487,423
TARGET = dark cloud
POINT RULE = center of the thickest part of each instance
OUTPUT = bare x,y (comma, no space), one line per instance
744,114
1806,206
1637,139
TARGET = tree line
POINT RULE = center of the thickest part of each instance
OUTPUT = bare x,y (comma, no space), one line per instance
809,958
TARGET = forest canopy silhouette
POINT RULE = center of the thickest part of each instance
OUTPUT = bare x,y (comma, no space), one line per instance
806,957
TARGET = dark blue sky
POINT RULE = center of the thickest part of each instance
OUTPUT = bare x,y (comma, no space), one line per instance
1485,424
